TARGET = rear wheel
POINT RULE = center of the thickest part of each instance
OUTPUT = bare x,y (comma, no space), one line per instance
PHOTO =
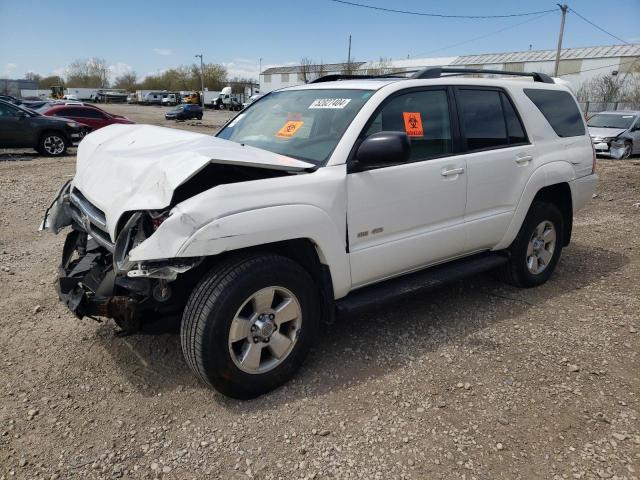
536,250
250,323
53,144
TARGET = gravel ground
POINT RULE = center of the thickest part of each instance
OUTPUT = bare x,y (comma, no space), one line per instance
476,380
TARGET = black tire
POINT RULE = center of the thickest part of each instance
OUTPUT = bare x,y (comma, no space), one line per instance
628,150
516,271
199,117
53,144
213,305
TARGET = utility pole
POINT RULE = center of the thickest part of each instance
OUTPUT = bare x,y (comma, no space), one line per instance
564,9
349,57
201,79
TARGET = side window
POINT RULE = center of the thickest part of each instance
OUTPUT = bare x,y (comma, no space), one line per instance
90,113
7,111
424,116
65,112
514,126
560,110
482,118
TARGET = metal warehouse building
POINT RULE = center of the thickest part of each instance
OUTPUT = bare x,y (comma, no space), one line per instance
577,65
13,87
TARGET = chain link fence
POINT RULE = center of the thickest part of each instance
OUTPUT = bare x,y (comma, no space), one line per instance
590,108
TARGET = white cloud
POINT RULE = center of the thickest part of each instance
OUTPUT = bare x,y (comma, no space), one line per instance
163,51
9,68
246,67
60,71
118,69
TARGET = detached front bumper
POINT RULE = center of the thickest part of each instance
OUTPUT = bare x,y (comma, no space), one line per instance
86,284
96,277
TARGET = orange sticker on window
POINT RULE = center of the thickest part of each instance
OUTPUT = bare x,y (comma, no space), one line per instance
413,124
290,128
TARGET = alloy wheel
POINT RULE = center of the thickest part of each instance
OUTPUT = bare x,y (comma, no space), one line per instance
541,246
53,145
265,330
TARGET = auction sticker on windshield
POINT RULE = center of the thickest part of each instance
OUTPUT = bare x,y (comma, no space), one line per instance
289,129
330,103
413,124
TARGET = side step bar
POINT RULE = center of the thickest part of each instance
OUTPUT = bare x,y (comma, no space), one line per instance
418,281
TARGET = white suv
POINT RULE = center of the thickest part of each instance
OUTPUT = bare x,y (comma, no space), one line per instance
315,199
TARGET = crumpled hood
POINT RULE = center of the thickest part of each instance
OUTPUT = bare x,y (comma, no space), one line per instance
124,168
599,132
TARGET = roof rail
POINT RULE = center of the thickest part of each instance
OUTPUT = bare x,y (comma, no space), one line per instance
339,76
433,72
436,72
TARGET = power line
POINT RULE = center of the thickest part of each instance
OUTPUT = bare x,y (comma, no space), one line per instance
486,35
598,27
439,15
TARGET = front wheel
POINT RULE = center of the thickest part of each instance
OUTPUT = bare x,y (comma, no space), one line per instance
536,250
53,144
250,323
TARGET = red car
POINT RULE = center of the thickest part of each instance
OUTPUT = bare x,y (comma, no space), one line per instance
88,114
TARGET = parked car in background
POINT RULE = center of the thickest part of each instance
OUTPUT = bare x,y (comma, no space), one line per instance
184,112
10,99
615,134
170,99
24,128
88,114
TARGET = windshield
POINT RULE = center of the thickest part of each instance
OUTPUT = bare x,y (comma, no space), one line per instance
31,112
303,124
611,121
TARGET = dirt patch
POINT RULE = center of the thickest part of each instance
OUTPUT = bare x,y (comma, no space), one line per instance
475,380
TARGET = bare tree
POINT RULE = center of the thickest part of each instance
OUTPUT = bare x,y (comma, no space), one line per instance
349,68
240,84
381,67
92,72
187,77
127,81
215,76
33,76
603,88
47,82
319,70
306,69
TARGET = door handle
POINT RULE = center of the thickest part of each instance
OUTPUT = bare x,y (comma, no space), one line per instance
523,159
453,171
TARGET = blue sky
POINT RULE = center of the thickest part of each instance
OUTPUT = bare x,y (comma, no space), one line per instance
147,37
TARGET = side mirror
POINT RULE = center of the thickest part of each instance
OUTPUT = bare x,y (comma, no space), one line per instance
21,115
384,148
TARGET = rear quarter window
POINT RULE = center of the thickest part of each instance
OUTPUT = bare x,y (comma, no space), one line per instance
560,110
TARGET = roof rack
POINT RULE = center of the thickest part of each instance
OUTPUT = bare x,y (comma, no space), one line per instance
435,72
339,76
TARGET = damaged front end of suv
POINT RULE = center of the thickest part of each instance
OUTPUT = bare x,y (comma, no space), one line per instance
147,209
96,277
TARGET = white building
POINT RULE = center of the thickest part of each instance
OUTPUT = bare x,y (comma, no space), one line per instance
577,65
